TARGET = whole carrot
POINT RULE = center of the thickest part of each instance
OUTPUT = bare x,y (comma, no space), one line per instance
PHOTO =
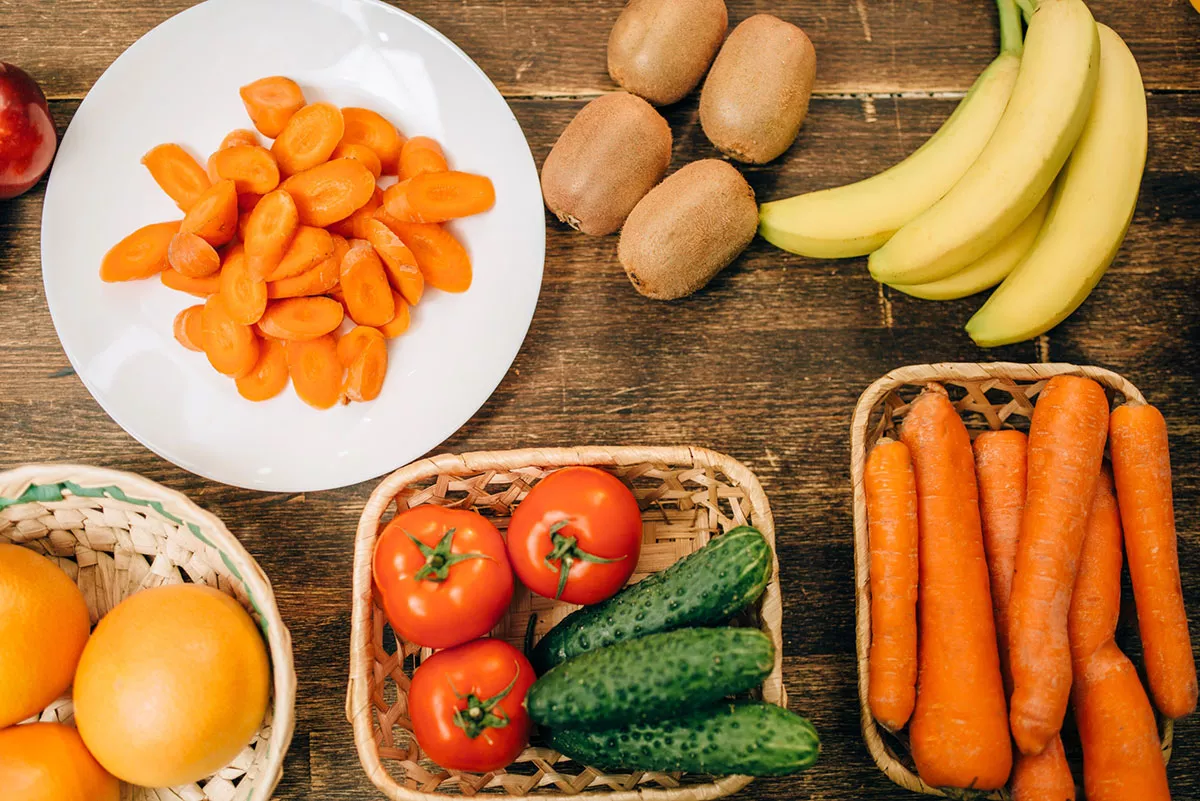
958,732
891,491
1066,446
1122,759
1142,469
1000,470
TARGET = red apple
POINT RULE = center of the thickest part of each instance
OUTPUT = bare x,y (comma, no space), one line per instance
27,136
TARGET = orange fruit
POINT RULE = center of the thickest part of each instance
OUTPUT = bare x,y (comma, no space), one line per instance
48,762
43,626
172,685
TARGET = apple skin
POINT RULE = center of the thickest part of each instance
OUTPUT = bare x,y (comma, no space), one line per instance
27,136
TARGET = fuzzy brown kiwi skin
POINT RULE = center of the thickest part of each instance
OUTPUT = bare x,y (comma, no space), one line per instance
660,49
756,95
688,229
614,152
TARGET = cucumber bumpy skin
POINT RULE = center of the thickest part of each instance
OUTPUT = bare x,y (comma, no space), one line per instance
702,589
748,739
651,678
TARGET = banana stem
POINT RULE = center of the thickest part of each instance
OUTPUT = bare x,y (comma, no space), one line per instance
1027,8
1011,40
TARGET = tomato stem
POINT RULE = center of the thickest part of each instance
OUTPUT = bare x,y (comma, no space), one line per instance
478,716
566,551
439,560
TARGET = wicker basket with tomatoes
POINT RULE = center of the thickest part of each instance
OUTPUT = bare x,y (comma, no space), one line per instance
633,609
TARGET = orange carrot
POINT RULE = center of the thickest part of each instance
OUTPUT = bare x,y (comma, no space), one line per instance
368,157
351,345
1043,777
251,168
443,260
317,281
365,286
301,318
189,328
271,102
246,203
419,156
364,375
331,191
366,127
958,731
142,254
1142,468
892,516
1121,755
245,296
435,197
192,256
213,217
1066,445
399,324
269,231
355,226
200,287
232,348
177,173
315,370
308,139
309,247
239,136
400,263
270,373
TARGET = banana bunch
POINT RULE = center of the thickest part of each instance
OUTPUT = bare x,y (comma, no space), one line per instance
1030,184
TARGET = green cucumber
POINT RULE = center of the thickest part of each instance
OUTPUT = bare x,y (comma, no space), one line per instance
702,589
747,739
651,678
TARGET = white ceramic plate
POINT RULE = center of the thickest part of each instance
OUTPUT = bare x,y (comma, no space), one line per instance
179,83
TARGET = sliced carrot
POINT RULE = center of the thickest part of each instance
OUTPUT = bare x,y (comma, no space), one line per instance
366,155
1142,467
315,370
442,258
301,318
402,270
352,344
232,348
434,197
331,191
245,296
192,256
340,247
270,373
398,324
243,221
189,328
419,156
1066,445
364,376
142,254
354,226
177,173
317,281
246,203
366,287
200,287
891,490
309,138
271,102
214,215
239,136
251,168
309,247
366,127
269,231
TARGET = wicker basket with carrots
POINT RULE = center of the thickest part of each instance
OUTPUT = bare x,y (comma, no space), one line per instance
1012,543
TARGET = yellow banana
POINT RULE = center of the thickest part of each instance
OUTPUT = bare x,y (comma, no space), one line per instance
1089,215
991,268
1033,139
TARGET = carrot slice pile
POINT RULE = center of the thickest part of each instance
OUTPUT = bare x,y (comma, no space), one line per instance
290,242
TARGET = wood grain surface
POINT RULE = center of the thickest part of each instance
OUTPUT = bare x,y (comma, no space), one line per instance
765,364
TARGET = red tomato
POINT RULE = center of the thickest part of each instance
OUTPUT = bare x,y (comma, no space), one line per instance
576,536
442,574
467,705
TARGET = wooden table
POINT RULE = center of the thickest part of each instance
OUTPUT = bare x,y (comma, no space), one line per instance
765,364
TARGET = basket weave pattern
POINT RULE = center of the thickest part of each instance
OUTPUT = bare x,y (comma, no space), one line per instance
687,496
988,396
115,534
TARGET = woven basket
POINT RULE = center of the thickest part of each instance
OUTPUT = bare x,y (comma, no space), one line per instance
115,534
989,396
687,496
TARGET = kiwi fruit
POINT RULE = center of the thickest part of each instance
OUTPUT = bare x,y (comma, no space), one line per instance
614,152
659,49
756,95
688,229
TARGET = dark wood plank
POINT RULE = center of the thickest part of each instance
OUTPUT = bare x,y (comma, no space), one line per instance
862,45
